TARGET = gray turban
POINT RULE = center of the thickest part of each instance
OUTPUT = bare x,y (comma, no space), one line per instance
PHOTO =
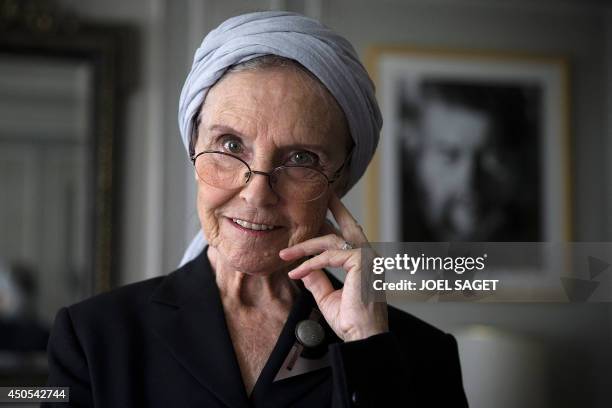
327,55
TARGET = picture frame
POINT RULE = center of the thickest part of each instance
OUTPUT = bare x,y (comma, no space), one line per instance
474,147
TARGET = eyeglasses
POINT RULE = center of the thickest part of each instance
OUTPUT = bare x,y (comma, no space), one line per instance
293,183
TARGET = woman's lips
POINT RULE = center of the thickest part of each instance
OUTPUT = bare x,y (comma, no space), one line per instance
251,228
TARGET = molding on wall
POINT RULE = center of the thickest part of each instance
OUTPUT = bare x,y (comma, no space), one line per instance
154,155
314,9
278,5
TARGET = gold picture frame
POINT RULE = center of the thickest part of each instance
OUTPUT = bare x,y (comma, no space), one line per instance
392,66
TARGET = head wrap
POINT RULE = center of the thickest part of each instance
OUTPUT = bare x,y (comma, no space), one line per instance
327,55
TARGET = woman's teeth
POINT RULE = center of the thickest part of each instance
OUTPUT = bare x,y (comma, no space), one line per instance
249,225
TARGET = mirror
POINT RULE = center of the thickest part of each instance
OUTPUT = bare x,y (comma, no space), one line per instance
58,155
45,214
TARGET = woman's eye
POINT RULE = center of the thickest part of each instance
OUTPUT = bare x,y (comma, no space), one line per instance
304,159
232,146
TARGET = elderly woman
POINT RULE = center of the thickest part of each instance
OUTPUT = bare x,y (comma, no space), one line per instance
279,118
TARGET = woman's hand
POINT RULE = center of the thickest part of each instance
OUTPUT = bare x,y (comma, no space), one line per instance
344,309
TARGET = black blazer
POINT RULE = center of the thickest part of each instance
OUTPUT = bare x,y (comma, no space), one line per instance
164,342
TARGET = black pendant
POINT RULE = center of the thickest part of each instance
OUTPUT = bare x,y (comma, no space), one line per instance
309,333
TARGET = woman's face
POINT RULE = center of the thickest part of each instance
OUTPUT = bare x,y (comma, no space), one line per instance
267,117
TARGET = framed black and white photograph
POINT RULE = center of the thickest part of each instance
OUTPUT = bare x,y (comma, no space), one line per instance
473,147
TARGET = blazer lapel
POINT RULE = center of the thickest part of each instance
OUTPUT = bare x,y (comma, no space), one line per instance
271,389
187,314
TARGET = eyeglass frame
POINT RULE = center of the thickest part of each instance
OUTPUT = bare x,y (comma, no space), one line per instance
330,181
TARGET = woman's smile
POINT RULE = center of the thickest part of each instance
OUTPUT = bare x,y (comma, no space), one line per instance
254,229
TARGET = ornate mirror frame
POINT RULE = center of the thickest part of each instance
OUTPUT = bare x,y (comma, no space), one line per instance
37,28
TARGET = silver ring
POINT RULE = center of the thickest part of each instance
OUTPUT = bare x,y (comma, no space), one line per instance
346,245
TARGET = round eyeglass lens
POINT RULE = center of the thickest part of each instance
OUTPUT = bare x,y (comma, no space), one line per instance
299,183
221,170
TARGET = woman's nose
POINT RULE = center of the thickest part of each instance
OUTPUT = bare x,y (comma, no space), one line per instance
257,191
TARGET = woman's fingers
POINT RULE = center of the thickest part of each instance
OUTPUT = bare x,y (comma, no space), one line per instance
319,285
312,246
329,258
